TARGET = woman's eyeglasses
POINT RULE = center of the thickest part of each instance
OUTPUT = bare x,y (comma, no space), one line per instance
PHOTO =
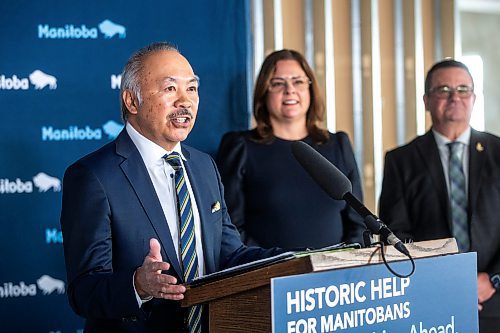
278,84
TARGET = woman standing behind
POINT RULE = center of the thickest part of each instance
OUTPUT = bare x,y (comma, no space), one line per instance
270,197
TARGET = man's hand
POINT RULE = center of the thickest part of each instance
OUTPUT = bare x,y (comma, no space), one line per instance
484,289
149,280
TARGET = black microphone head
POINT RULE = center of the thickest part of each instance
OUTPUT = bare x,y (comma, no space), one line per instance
326,175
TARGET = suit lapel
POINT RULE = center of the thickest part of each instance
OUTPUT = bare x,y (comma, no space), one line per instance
134,169
199,186
477,152
429,152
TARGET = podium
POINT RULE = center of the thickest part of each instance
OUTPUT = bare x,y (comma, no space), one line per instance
242,302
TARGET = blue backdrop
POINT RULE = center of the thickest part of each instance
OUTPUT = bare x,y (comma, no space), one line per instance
60,65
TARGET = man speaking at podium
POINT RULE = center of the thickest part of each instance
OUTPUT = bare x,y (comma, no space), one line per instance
446,183
145,214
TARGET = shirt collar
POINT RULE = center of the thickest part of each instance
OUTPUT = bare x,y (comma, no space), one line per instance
151,153
441,140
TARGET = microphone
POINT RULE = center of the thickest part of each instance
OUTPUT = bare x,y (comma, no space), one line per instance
339,187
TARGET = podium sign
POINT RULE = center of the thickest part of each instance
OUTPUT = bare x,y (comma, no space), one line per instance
440,297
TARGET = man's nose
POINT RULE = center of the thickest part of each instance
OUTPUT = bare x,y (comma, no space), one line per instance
453,94
183,100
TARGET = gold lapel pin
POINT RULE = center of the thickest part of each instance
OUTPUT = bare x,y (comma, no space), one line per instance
479,147
216,207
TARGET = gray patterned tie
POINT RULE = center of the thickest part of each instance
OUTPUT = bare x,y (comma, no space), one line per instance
458,198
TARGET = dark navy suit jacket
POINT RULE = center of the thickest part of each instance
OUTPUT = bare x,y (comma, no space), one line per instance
110,211
414,200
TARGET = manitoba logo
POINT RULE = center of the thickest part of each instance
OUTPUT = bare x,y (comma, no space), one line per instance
45,283
37,78
108,28
71,133
42,181
76,133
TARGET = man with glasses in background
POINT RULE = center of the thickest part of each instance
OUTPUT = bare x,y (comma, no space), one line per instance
446,183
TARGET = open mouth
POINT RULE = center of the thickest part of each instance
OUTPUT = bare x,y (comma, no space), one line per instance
182,117
290,102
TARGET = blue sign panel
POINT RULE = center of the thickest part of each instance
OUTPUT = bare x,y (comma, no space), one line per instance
440,297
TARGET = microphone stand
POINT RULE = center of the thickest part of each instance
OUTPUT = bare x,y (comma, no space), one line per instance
368,242
367,238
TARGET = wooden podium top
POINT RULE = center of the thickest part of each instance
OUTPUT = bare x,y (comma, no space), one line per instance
302,263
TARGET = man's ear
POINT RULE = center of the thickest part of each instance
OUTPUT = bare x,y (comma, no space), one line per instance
130,101
426,100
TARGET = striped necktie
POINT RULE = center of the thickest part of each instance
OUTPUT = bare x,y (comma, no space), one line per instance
187,242
458,198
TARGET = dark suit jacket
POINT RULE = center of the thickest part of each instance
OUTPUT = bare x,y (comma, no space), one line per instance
414,200
110,211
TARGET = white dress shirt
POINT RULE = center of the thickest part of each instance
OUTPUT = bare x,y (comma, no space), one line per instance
162,176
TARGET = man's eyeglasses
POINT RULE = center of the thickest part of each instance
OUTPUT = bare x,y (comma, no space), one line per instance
278,84
443,92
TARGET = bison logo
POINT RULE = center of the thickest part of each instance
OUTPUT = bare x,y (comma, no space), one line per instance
48,284
40,80
45,182
109,29
112,129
